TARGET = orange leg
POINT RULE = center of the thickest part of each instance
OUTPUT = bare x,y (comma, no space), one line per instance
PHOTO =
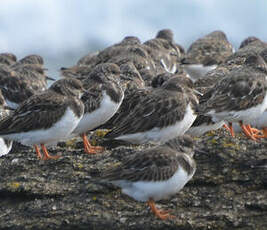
46,154
39,155
227,128
247,131
88,148
163,215
230,128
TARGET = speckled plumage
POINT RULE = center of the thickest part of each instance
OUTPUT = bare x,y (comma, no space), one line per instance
5,145
209,50
33,75
19,82
102,99
7,59
156,173
160,108
133,81
241,90
41,111
163,51
155,164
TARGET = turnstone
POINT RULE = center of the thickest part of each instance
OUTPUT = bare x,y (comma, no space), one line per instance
138,56
118,49
240,61
102,99
5,145
261,122
156,173
13,88
158,80
133,82
20,82
47,117
163,51
88,60
240,97
32,59
163,114
206,53
8,58
34,76
252,43
77,71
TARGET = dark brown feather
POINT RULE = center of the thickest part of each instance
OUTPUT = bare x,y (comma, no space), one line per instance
154,164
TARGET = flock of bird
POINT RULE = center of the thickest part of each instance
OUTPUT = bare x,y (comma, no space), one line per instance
141,92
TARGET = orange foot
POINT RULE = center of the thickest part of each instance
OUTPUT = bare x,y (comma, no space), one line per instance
163,215
39,155
263,133
248,131
229,128
46,154
88,148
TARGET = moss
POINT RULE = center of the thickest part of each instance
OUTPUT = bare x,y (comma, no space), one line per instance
13,186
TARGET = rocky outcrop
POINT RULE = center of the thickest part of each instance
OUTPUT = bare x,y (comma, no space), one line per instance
228,191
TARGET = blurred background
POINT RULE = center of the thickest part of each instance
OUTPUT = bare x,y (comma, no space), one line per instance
62,31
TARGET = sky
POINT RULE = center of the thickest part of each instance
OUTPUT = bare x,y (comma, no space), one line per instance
62,31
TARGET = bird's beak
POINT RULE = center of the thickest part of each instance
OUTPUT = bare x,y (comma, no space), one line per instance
50,78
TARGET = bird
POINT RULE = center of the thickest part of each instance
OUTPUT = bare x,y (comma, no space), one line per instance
20,82
89,59
252,43
34,75
244,60
206,53
163,51
155,173
47,117
103,97
77,71
118,49
240,97
31,59
163,114
130,77
5,145
8,58
261,122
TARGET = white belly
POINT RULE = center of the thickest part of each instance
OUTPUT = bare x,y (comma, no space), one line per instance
168,69
98,117
52,135
4,149
143,190
258,123
161,135
202,129
247,116
196,71
261,122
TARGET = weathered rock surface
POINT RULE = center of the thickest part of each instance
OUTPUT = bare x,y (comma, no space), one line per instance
228,191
